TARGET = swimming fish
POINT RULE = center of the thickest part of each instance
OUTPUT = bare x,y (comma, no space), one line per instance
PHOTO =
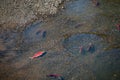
58,76
43,34
40,53
81,49
91,48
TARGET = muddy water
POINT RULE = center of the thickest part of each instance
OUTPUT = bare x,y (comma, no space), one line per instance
80,23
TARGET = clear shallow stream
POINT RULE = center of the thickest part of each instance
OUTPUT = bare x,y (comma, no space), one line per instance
79,24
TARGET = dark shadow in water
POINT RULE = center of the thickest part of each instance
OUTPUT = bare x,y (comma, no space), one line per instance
34,33
38,32
44,33
91,49
43,54
60,78
83,52
2,53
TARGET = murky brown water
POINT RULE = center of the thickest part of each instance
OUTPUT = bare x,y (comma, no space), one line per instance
80,23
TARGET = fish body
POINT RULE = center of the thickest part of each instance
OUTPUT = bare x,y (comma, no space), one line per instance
81,49
40,53
90,47
43,34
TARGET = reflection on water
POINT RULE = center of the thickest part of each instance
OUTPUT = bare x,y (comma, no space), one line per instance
80,28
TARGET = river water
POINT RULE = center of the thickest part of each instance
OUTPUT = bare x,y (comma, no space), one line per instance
80,24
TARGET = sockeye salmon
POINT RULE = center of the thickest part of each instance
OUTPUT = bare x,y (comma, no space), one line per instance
40,53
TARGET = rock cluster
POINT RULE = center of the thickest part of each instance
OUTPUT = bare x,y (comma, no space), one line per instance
21,11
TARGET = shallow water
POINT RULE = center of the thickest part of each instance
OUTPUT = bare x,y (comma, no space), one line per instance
73,44
79,24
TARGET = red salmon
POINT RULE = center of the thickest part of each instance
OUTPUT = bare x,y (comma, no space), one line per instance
81,49
40,53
